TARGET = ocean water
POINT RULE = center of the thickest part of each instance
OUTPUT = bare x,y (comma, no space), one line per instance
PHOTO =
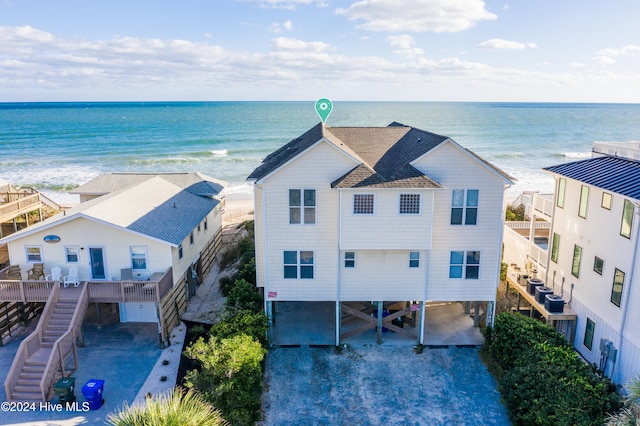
56,146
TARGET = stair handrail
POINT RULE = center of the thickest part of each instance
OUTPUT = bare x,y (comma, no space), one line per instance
58,354
30,344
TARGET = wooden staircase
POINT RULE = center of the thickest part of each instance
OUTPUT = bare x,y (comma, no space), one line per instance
40,360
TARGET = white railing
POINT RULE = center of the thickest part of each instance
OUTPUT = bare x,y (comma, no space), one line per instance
30,345
543,204
63,347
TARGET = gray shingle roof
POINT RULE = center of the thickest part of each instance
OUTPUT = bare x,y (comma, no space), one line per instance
385,154
174,219
615,174
155,207
196,183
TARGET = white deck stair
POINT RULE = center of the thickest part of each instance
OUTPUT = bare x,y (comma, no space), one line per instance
40,360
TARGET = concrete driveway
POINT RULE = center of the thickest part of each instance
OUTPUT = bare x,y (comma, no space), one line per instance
379,385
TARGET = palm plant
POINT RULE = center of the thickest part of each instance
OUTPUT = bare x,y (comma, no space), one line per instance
175,408
630,414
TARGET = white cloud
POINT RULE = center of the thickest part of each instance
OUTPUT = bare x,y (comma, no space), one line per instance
284,4
577,64
131,68
278,27
606,56
417,15
284,43
404,45
500,44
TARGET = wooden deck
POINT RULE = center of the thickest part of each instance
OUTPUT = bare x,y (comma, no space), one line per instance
551,317
14,204
152,290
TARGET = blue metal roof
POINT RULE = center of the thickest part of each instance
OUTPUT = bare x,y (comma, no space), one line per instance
615,174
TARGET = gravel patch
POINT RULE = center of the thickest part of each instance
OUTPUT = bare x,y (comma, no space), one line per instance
379,385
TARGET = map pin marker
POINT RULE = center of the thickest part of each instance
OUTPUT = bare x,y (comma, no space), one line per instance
323,108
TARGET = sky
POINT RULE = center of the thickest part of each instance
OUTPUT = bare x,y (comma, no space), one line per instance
357,50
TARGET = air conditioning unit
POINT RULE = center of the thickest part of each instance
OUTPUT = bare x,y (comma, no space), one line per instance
541,291
532,283
554,303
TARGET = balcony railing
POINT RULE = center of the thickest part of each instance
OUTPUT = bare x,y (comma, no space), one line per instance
152,290
543,205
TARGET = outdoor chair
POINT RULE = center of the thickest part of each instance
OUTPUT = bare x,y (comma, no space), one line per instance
72,278
36,272
56,273
14,273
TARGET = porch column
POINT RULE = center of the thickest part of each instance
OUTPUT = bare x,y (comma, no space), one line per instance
491,312
423,315
379,334
338,321
476,315
268,308
159,319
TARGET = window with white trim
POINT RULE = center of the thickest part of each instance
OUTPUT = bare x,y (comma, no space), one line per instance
72,254
180,252
299,264
577,259
409,203
138,257
464,206
33,253
627,219
589,328
414,259
562,185
584,200
363,203
349,259
607,199
464,265
616,289
302,206
191,239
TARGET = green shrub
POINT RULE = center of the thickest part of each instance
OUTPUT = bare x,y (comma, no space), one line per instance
513,336
251,323
243,296
542,379
248,271
226,283
230,377
173,408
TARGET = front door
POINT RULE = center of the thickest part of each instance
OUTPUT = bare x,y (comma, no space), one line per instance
96,256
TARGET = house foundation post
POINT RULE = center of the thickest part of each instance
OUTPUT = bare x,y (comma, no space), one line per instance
161,341
476,315
268,310
98,315
338,321
379,330
423,315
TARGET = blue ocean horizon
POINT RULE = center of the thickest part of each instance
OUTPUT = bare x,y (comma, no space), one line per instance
55,146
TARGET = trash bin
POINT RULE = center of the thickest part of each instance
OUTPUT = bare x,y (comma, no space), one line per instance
92,392
64,390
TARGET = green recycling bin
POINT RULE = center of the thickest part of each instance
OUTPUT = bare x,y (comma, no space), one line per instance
64,390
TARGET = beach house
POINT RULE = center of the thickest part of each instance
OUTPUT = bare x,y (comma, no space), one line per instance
376,224
591,260
142,248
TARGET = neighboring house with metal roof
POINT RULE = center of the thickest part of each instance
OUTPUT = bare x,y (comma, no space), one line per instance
135,233
594,256
377,220
591,259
